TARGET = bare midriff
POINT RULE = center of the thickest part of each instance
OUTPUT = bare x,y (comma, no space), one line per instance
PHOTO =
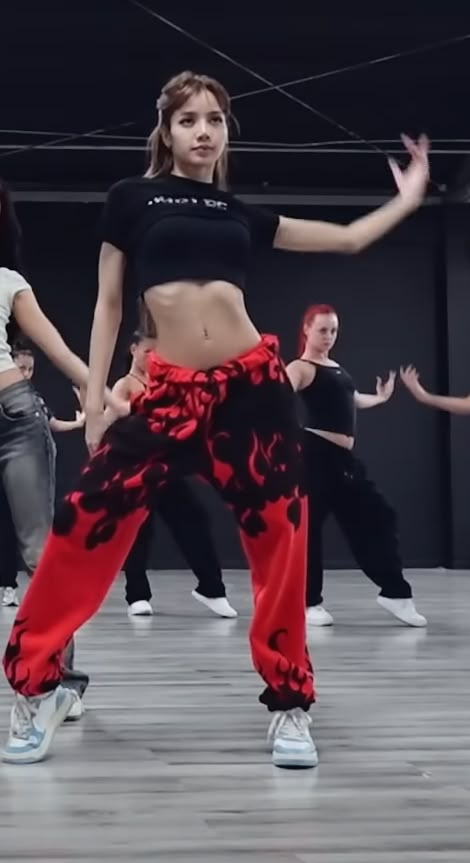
9,377
200,324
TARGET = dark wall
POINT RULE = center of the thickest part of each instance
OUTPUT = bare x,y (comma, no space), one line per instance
457,237
389,302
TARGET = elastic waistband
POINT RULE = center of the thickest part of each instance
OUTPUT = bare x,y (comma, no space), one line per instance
266,349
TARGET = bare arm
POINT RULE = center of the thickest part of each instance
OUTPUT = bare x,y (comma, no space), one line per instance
57,425
367,400
299,235
37,327
452,404
106,323
122,390
382,394
296,372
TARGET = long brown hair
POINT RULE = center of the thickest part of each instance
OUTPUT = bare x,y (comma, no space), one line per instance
174,94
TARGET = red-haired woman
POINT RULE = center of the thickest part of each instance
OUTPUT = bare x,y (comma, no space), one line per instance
219,404
337,481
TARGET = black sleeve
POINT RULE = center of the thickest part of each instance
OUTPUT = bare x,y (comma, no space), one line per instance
264,224
114,221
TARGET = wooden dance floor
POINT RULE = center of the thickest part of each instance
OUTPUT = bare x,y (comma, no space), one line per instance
169,762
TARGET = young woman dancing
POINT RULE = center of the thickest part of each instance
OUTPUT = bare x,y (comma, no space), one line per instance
24,358
337,480
179,508
218,403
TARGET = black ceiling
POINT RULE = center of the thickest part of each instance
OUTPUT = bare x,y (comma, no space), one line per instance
72,67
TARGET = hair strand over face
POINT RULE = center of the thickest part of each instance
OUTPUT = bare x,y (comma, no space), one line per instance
174,94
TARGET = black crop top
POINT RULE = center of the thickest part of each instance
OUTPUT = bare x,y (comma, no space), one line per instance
172,228
329,400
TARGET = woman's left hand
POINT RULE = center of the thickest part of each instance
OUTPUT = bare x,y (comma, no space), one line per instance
385,388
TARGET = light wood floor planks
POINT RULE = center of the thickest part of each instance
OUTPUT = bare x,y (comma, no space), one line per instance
169,763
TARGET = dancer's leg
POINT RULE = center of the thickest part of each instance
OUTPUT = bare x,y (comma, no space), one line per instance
189,523
254,446
135,567
369,523
92,534
27,464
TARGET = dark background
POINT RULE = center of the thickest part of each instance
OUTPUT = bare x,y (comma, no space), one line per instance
405,300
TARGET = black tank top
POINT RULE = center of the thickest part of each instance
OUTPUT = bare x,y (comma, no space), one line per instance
329,400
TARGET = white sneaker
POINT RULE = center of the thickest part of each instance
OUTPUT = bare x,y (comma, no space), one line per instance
292,744
10,598
220,606
403,609
319,616
33,724
77,709
141,608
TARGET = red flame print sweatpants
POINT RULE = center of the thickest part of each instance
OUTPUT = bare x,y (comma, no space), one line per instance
234,425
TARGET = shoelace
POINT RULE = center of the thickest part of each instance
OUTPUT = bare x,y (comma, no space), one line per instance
22,718
297,724
294,724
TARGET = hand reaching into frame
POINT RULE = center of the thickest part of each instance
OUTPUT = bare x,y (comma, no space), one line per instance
412,181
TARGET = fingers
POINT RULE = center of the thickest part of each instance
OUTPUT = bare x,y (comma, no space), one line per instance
409,374
424,144
396,171
417,149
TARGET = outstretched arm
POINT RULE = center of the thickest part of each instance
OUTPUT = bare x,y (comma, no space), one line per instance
452,404
383,392
299,235
57,425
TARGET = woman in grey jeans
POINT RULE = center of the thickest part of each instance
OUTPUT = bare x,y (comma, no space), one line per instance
26,446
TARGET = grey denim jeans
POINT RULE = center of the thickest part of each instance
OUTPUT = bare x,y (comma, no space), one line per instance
27,474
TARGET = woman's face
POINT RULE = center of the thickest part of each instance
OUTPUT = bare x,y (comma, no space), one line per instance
140,354
25,363
198,133
321,333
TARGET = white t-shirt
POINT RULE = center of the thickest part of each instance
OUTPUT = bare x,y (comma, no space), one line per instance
11,283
